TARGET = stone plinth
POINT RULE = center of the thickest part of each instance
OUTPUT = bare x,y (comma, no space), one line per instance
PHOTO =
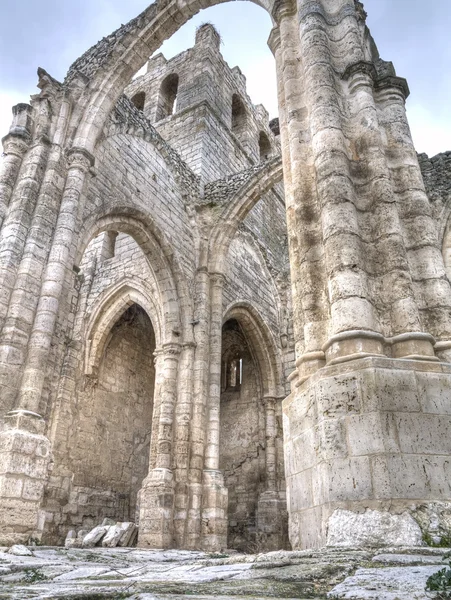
24,463
367,436
271,521
156,502
214,512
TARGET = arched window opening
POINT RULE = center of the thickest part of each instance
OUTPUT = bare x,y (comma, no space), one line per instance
232,373
264,146
236,373
139,100
239,117
108,248
167,99
107,245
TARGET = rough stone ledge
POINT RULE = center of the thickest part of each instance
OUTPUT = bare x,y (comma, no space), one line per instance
56,573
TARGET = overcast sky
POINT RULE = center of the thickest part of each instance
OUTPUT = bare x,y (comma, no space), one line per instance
414,34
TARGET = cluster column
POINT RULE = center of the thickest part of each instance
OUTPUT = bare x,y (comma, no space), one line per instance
15,144
215,496
156,497
59,264
25,451
271,511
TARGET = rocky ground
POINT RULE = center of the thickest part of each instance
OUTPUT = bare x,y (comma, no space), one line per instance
99,573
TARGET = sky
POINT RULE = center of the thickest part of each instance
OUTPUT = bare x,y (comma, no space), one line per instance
414,34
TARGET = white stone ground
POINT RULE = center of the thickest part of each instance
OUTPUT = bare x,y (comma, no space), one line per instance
99,573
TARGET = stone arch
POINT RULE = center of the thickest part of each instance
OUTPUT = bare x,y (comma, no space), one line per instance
115,411
171,283
262,344
112,304
110,64
261,181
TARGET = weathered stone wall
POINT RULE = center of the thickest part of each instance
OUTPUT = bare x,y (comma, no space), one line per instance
436,173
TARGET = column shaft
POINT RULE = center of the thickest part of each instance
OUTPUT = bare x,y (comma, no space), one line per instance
214,400
59,263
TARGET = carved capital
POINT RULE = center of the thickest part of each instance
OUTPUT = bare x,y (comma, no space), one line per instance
269,402
283,9
79,158
172,349
393,83
217,279
360,11
15,144
274,40
360,68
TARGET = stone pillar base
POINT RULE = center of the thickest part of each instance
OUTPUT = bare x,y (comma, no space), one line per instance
272,522
366,446
193,525
214,512
156,510
24,463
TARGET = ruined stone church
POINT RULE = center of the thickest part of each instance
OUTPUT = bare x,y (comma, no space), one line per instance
234,332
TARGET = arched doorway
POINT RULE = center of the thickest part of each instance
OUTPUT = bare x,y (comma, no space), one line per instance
241,457
112,431
250,426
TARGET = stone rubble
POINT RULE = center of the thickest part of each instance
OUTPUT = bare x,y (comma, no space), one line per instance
108,535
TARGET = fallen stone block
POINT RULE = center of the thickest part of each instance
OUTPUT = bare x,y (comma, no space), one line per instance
94,537
129,533
114,534
19,550
71,539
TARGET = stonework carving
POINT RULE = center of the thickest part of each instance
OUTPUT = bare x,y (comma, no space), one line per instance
229,331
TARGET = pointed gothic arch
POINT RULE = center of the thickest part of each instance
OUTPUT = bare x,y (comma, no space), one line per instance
262,344
111,305
162,261
109,70
238,207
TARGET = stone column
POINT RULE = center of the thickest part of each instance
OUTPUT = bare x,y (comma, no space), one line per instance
201,327
215,496
21,204
270,510
59,263
17,221
431,287
183,416
156,497
354,425
25,452
15,144
271,431
310,306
